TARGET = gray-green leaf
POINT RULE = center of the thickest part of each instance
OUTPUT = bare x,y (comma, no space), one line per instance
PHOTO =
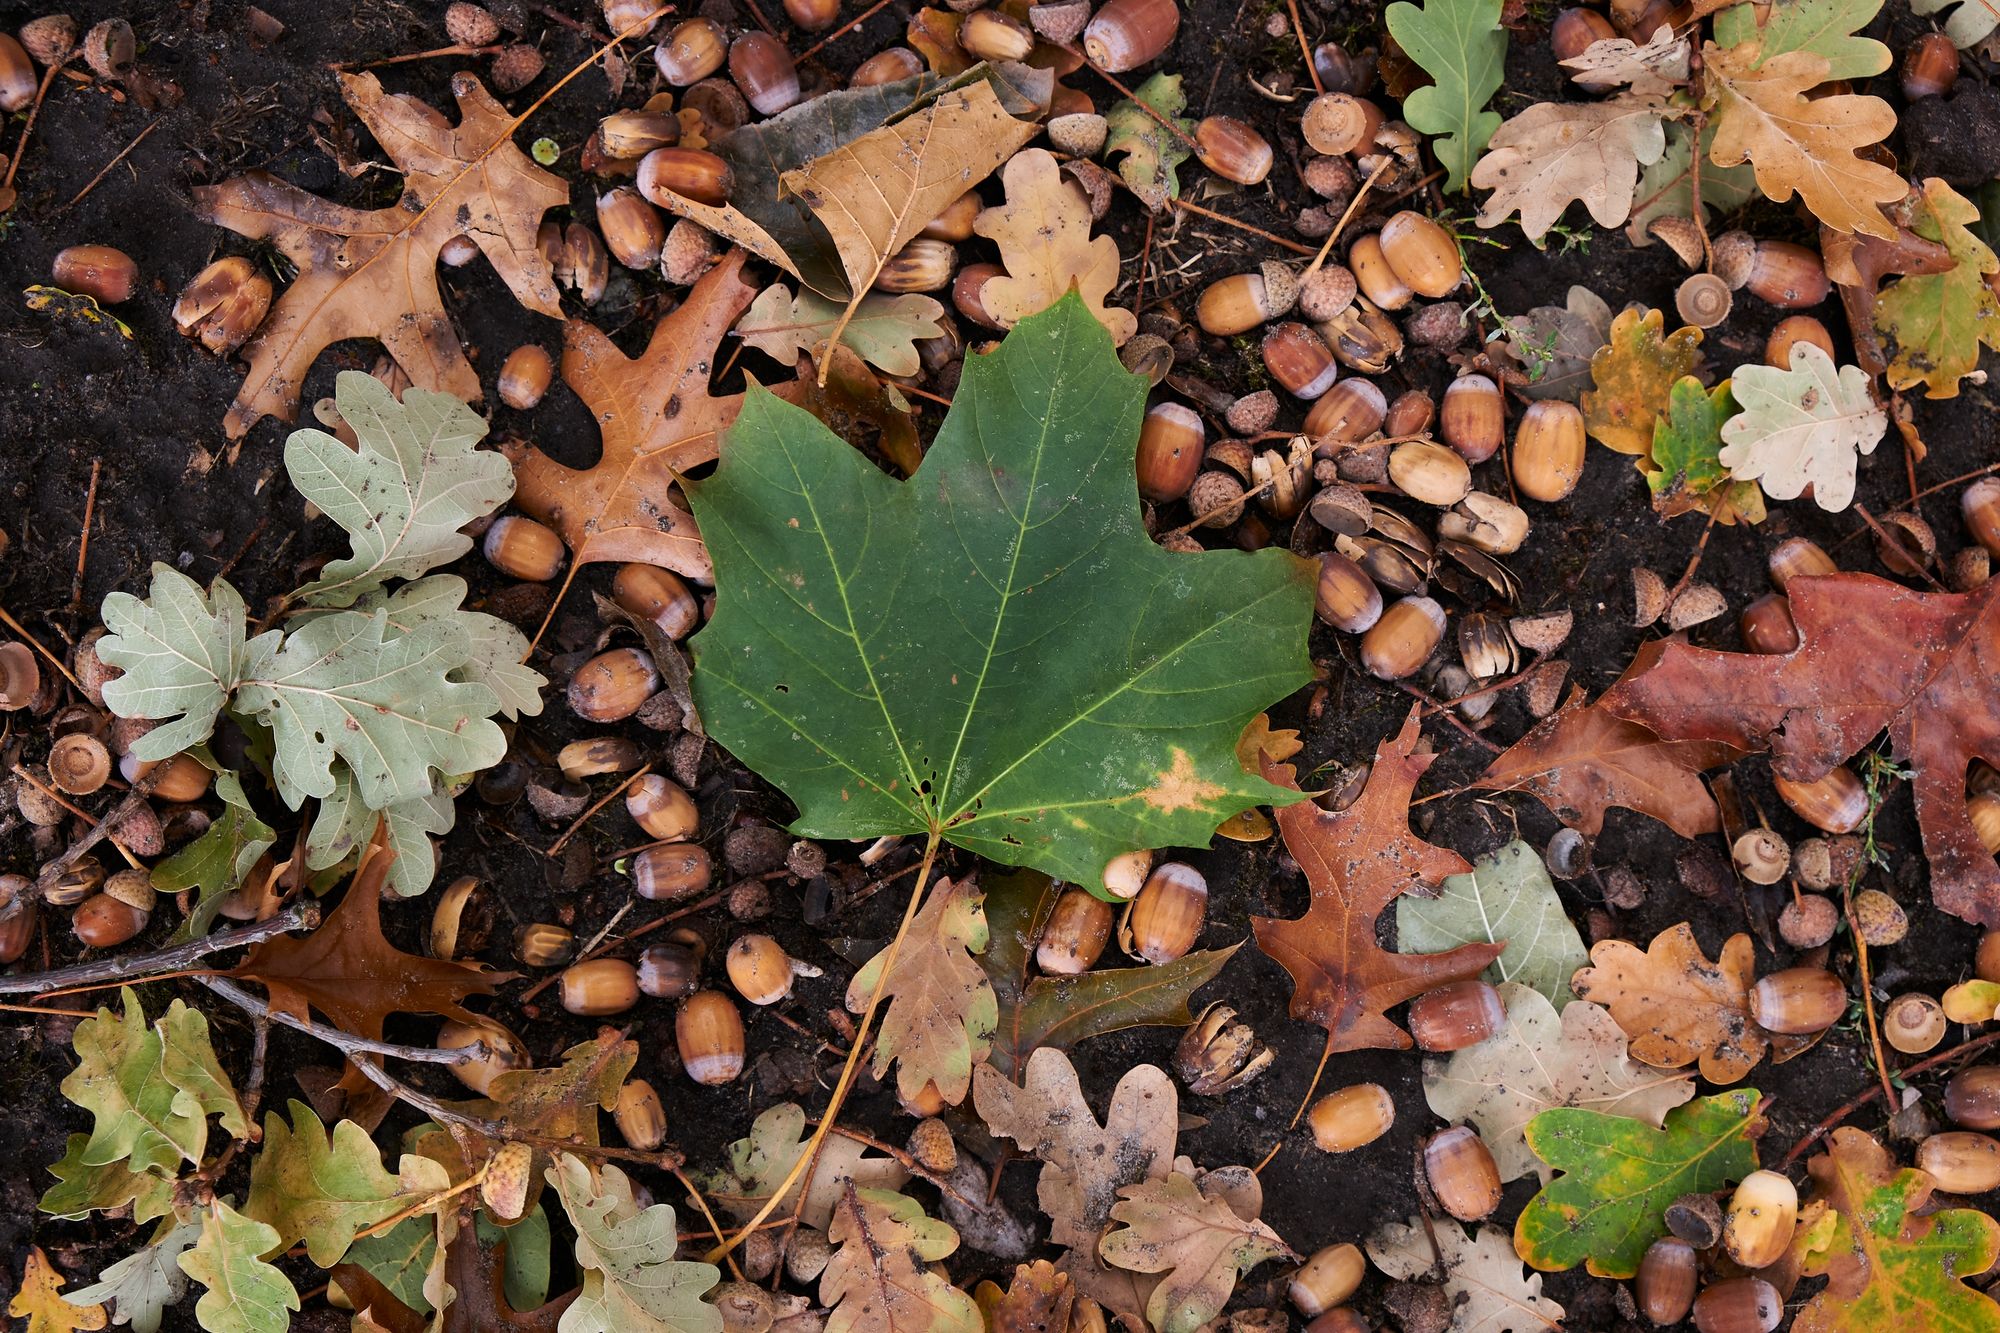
497,647
631,1281
345,822
182,652
1462,46
1507,896
143,1284
400,1258
403,495
884,330
1823,27
993,651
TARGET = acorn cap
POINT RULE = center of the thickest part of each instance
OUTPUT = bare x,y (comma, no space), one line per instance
1649,596
1080,134
20,676
1281,288
134,888
1698,602
1061,23
1681,236
1703,300
1734,254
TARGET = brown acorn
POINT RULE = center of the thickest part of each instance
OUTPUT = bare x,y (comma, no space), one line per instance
709,1032
1798,1000
966,291
989,34
1787,275
1403,638
503,1052
524,549
812,15
1961,1162
1575,29
1240,302
691,173
1349,412
102,271
1378,281
1549,450
1836,803
1757,1226
762,68
1798,557
611,686
1346,598
1074,936
922,265
1767,626
1473,417
887,66
1793,329
662,808
1457,1015
18,916
955,222
1738,1305
524,377
1352,1117
1171,441
1299,359
652,593
224,304
600,987
760,969
633,229
1327,1279
670,971
1930,66
1667,1272
1462,1173
1165,920
694,50
1979,505
671,872
1972,1098
116,913
1231,149
1422,253
1126,34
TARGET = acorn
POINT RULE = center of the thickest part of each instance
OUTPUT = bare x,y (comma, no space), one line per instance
585,265
1738,1305
1327,294
503,1052
224,304
1125,874
1376,279
523,549
989,34
694,50
954,223
1787,275
762,68
1352,1117
81,878
709,1032
1836,803
761,970
116,913
633,229
1761,856
1171,442
1914,1023
1349,412
524,377
1454,1016
1363,338
1961,1162
671,872
1074,936
1462,1173
1299,360
18,915
1242,301
812,15
1427,471
1979,505
1983,809
1668,1270
1798,1001
1572,34
1126,34
662,808
1549,450
1930,66
1879,919
628,18
600,987
1338,123
670,971
611,686
892,65
652,593
1216,499
1790,331
101,271
1403,639
1345,597
544,944
1703,300
1696,1219
967,289
1757,1227
1766,625
1486,646
1217,1054
1422,253
641,1119
1226,146
923,265
1327,1279
1797,557
1165,919
1972,1098
690,173
1473,417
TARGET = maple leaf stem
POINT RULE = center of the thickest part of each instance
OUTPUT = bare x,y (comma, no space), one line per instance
809,1159
145,966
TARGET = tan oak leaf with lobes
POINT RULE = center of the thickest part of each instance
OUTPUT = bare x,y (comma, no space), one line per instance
372,273
1557,152
1197,1240
942,1011
1676,1006
1043,231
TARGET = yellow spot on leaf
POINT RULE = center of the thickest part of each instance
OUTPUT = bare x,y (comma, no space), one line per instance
1180,787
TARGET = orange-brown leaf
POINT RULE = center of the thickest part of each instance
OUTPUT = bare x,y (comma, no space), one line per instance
1675,1005
1873,656
40,1302
657,418
1040,1299
1357,861
372,273
1584,760
352,975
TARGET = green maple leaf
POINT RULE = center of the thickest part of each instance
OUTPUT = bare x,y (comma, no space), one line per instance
82,1189
1823,27
1060,1011
182,653
245,1294
1620,1174
992,653
403,494
1462,46
1888,1264
322,1190
218,861
1152,151
1935,323
631,1281
1507,898
1683,470
143,1284
151,1087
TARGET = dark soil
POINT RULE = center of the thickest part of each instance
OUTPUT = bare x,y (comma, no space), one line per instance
172,489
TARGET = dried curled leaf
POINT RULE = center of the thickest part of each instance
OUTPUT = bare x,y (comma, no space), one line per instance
1558,153
1463,47
1655,69
40,1301
373,273
1676,1006
1802,427
1043,232
877,1280
1541,1060
1633,379
1171,1227
1483,1280
941,1013
1799,145
1934,324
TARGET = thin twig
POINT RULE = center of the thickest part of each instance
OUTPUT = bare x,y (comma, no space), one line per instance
36,644
124,153
1867,988
28,130
22,773
1447,715
1869,1094
605,800
1141,103
554,605
1347,215
83,542
1694,562
435,53
346,1042
842,30
142,966
700,905
701,1205
1888,539
101,829
1299,27
1258,232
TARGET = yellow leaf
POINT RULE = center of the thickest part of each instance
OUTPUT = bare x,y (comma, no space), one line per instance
1634,374
1043,231
1762,116
41,1304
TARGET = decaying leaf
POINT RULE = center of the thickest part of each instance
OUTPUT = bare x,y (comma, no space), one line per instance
657,419
1654,69
1802,426
320,1190
1798,145
1685,470
884,331
1552,345
1043,232
1506,898
1558,153
1039,1299
1540,1060
1633,378
1583,760
245,1293
1892,1260
373,273
145,1284
39,1300
1149,153
1085,1164
632,1283
1933,324
1171,1227
1823,27
1357,862
1873,656
1462,46
941,1012
150,1088
1483,1279
753,1166
877,1280
1619,1175
1037,1011
857,405
1676,1006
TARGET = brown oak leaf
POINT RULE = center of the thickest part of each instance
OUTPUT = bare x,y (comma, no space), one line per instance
372,273
1873,656
941,1010
1556,153
880,1279
657,418
1043,231
1676,1006
1039,1299
1584,760
1357,861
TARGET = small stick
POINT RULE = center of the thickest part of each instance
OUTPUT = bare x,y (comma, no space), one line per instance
142,966
701,905
244,549
435,53
345,1042
1448,716
83,543
1869,1094
715,1227
1305,50
843,30
1145,262
28,130
1867,989
124,153
36,644
1888,539
1258,232
101,829
574,25
80,813
1694,563
554,606
605,800
1950,482
1346,216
